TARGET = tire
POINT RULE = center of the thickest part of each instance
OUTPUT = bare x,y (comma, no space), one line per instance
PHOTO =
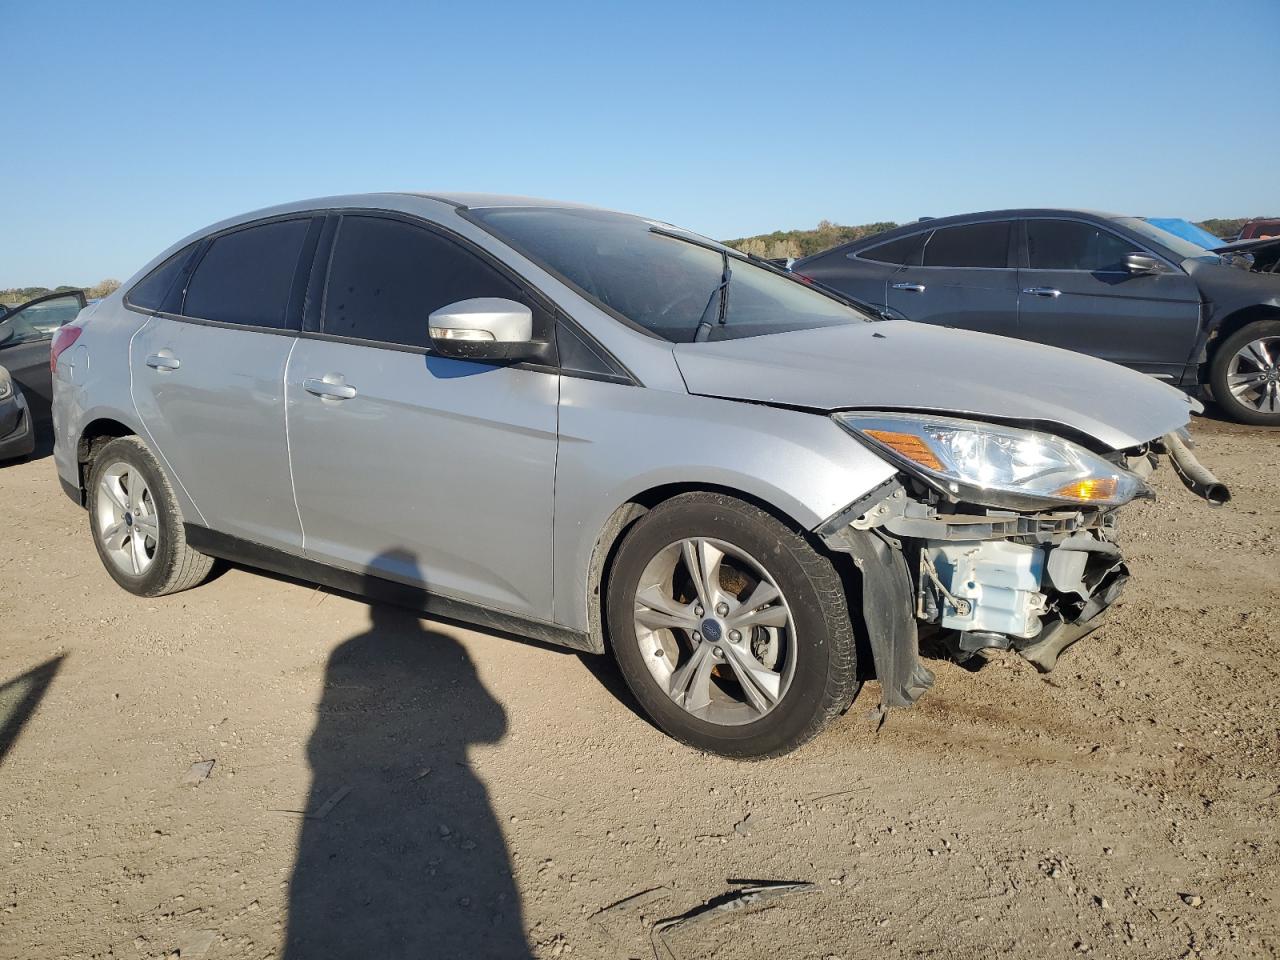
1259,400
799,645
140,537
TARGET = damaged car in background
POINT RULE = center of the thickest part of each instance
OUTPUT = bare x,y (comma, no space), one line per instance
610,433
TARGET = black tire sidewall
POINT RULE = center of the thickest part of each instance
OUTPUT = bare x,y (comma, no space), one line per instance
818,641
1218,373
127,450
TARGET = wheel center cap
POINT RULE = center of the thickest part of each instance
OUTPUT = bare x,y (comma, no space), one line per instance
711,630
128,519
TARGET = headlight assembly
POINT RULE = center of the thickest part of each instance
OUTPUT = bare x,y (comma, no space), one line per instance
6,385
993,465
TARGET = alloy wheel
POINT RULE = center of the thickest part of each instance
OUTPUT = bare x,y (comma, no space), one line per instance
715,631
1253,375
128,525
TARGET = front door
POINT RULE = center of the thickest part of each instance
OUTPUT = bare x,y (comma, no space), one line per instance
209,388
25,335
413,467
1077,294
961,278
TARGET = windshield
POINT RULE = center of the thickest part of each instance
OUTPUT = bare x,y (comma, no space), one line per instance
1183,248
658,282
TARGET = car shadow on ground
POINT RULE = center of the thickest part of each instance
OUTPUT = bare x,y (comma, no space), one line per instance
400,854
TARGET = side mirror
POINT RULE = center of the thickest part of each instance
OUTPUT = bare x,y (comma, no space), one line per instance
484,328
1139,264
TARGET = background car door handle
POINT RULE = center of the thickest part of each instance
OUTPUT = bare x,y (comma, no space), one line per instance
164,360
331,387
1043,291
913,287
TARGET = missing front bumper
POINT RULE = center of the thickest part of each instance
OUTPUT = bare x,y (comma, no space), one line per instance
1036,599
1033,583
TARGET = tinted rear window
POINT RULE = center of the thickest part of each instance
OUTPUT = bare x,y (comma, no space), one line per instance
387,276
246,277
971,245
900,251
1074,245
151,291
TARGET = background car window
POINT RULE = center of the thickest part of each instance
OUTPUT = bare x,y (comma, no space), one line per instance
971,245
1073,245
246,277
38,321
387,276
903,250
151,291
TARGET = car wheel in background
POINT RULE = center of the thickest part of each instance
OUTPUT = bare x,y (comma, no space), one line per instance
136,524
731,630
1245,374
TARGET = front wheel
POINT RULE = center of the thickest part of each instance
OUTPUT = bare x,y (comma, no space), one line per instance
1245,374
731,630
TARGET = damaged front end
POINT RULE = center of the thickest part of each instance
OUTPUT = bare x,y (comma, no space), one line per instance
1012,566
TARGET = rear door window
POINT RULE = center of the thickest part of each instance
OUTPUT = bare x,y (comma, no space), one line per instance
1075,245
247,277
970,245
387,276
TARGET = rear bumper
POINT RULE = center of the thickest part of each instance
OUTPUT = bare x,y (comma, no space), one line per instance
17,433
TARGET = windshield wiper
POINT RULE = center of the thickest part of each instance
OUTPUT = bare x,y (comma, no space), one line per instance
720,294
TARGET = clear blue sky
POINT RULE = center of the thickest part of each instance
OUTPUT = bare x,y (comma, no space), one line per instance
126,126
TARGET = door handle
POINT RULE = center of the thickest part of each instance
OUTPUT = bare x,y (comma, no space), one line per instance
913,287
164,360
329,387
1043,291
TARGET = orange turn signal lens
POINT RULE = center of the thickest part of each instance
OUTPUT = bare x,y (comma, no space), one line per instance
1093,489
909,445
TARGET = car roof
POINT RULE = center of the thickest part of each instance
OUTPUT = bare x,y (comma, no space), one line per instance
479,201
933,223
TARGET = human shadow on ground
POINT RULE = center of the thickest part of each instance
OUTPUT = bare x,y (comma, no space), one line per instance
19,698
400,854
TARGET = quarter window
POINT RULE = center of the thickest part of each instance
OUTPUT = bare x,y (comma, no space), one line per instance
903,250
151,292
1074,245
971,245
387,276
247,277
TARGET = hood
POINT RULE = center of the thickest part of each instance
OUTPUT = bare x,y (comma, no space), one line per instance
1257,256
900,365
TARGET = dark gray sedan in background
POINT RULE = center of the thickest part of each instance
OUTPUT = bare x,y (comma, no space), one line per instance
1115,287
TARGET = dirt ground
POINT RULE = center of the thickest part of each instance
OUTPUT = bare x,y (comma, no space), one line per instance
386,787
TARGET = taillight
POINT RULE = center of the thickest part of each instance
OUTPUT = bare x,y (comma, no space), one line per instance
63,337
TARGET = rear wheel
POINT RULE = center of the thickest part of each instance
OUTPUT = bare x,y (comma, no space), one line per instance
1245,374
731,630
136,524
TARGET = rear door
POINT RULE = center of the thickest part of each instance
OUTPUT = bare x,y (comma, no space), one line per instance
208,379
25,334
410,466
1077,294
961,276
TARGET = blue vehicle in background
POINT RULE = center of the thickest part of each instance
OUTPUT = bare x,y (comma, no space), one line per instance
1186,230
